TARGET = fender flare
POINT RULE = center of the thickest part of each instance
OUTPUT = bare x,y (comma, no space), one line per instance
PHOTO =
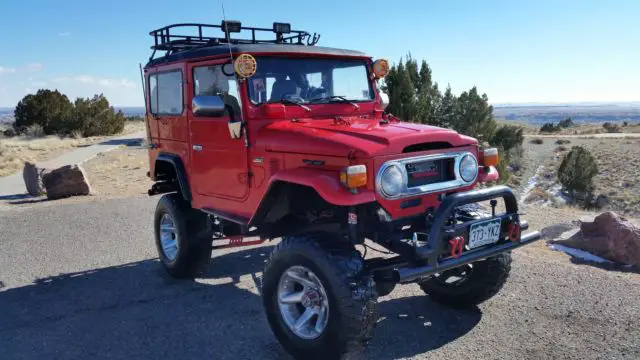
181,173
324,183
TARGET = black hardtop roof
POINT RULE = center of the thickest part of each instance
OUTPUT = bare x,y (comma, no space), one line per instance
254,49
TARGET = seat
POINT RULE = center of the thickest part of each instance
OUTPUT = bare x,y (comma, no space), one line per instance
282,88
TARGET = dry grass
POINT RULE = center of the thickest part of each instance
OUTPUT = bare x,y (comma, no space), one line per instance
14,152
618,163
119,173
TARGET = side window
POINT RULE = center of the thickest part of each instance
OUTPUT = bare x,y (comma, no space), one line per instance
211,81
153,93
165,93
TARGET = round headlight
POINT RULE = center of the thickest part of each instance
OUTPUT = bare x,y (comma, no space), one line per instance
391,182
468,168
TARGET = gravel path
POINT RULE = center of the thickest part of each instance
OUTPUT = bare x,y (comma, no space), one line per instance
82,282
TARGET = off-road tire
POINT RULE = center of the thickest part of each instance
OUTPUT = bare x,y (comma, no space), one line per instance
353,307
194,237
486,279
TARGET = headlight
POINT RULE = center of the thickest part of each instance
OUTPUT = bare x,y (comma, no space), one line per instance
391,181
468,168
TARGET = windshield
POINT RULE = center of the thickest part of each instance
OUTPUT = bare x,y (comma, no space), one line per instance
309,81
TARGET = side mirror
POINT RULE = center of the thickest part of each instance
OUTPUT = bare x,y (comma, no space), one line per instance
211,106
384,99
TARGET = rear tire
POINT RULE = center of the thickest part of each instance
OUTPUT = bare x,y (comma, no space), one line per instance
183,240
348,294
485,280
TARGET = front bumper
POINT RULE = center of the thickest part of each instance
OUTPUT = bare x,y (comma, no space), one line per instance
442,229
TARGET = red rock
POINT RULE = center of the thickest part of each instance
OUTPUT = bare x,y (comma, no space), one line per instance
69,180
609,236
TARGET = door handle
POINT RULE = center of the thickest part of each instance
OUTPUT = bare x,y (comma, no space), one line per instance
197,147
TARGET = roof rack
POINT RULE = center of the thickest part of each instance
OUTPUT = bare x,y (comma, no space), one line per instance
169,40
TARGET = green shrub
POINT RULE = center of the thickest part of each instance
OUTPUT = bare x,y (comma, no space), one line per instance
537,141
508,137
52,113
95,117
10,132
577,170
49,109
566,123
563,142
549,127
611,128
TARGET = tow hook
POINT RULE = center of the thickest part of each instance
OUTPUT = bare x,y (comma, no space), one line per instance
514,231
457,246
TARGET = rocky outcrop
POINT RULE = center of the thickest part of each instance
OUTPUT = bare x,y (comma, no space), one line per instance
69,180
609,236
32,176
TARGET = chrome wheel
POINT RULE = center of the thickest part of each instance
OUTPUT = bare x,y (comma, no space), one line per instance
303,302
168,237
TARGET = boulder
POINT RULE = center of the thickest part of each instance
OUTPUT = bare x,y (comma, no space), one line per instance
69,180
609,236
32,176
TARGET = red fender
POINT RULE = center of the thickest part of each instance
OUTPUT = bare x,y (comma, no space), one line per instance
486,176
326,184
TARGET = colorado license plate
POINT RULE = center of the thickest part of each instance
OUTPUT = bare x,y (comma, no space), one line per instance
484,233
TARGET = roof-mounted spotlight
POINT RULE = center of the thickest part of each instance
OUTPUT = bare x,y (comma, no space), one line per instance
231,26
281,28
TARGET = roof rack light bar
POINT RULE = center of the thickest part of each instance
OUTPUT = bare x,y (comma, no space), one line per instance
173,38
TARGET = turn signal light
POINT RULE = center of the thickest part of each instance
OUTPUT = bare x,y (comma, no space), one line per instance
354,176
490,157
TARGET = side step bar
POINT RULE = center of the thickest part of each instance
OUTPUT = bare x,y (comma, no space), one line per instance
406,275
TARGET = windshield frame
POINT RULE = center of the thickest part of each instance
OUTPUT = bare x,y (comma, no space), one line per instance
366,62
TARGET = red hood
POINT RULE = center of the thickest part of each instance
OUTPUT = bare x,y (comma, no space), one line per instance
367,137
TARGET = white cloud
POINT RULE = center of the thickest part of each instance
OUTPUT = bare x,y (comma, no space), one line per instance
85,79
33,67
64,34
5,70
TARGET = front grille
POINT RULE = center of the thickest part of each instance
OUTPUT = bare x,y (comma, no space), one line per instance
429,172
426,174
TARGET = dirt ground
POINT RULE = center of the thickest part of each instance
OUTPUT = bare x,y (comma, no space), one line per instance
618,163
16,150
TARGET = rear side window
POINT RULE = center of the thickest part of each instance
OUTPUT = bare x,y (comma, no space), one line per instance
165,93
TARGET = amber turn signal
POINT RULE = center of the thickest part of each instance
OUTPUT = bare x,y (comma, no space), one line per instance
490,157
354,176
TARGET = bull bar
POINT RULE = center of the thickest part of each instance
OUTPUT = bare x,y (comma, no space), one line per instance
439,230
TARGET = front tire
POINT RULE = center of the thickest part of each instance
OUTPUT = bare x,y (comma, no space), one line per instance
319,302
182,237
474,284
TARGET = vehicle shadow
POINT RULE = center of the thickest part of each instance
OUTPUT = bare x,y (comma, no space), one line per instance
136,311
409,326
132,142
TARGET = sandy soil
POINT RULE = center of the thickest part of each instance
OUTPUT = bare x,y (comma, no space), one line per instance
15,151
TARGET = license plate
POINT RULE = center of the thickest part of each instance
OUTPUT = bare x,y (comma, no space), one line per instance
484,233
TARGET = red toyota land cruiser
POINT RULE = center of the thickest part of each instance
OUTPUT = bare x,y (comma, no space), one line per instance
268,136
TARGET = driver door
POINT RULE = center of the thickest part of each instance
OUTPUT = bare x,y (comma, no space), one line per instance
218,161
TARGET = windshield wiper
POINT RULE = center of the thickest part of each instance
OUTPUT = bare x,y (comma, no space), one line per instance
289,101
340,98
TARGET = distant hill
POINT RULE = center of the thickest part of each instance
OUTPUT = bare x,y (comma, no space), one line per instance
580,113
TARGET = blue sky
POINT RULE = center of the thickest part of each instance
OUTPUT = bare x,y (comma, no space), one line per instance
515,51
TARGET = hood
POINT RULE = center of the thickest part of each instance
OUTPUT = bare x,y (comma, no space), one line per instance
365,137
